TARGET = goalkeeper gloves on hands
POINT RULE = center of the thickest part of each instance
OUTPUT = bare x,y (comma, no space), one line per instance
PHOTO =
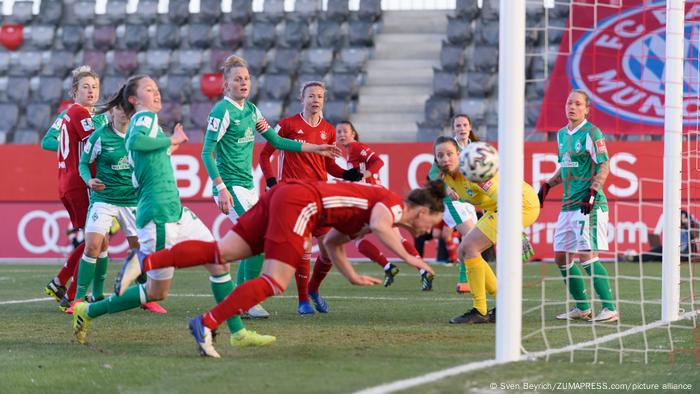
271,181
542,194
352,175
588,202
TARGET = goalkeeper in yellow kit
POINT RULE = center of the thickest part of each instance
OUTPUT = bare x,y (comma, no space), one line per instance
483,196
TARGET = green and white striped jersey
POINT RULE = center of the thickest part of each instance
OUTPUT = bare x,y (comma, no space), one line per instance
581,151
106,147
149,157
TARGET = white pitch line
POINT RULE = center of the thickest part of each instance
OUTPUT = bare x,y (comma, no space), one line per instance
25,301
474,366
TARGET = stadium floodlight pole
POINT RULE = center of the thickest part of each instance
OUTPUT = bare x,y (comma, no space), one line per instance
511,121
673,141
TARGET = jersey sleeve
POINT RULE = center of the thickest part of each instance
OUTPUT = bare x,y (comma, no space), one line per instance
92,149
264,160
372,160
81,122
50,140
142,136
277,139
395,206
595,144
217,124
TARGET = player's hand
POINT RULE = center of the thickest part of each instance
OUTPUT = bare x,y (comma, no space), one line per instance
225,201
420,264
588,202
451,193
270,182
179,136
542,193
261,126
366,174
331,151
96,185
364,280
352,175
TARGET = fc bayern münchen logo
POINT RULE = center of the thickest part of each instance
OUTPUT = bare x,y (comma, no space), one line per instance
622,64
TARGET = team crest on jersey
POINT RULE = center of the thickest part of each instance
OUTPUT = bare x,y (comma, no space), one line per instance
631,83
577,146
566,161
145,121
364,152
323,135
213,123
87,124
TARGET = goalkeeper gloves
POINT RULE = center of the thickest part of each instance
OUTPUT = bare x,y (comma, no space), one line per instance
352,175
588,202
271,181
542,194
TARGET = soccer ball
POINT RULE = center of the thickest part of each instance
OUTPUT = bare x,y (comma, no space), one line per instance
478,162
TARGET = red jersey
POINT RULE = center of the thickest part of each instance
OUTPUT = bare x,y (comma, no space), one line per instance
359,156
347,206
76,126
301,165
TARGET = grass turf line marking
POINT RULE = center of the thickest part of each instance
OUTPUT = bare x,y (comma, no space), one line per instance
474,366
25,301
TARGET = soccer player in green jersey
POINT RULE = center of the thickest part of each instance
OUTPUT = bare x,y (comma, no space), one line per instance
112,197
230,136
583,221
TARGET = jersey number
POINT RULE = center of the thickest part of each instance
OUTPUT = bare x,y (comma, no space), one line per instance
64,142
583,225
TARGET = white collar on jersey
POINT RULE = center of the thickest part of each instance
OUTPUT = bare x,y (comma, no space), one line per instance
230,100
301,115
577,128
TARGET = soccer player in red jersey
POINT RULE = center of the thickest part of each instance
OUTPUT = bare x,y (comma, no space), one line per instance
280,225
76,126
308,126
361,157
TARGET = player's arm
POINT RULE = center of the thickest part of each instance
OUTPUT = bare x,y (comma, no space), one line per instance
555,179
88,156
374,162
294,146
382,225
595,142
81,121
434,173
334,242
139,140
264,161
50,140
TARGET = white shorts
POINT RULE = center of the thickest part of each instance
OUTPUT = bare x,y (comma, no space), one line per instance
101,216
576,232
243,200
154,237
458,212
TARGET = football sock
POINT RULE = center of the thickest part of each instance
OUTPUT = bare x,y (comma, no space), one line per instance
490,280
222,286
69,267
86,271
601,282
98,281
73,287
370,251
241,299
253,266
577,286
477,282
132,298
451,246
321,268
240,273
182,255
462,273
302,279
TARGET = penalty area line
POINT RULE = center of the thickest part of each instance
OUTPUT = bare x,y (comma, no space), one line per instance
478,365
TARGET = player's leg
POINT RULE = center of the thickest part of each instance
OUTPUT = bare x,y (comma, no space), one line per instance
77,203
566,238
99,220
460,216
301,277
322,266
593,239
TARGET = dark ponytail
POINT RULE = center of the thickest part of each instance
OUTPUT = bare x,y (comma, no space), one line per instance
121,98
431,196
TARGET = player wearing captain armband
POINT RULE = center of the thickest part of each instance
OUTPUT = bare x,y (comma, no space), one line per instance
482,192
230,137
582,226
362,158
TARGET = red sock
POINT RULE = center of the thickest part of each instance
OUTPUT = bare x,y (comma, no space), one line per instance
70,293
410,247
451,246
302,279
69,267
242,298
370,251
183,255
321,268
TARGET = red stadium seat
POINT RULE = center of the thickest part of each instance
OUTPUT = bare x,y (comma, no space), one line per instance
212,85
11,35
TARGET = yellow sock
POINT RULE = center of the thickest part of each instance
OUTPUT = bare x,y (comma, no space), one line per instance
476,274
490,281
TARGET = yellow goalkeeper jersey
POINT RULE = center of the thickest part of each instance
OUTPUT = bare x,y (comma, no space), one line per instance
485,195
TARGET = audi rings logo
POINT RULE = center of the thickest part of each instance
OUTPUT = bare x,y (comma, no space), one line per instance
50,232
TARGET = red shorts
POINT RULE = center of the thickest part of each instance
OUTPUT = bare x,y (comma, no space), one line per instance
280,224
77,203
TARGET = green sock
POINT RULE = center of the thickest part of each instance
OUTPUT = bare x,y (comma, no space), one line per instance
222,286
601,283
240,273
86,271
462,273
253,266
577,286
98,282
132,298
